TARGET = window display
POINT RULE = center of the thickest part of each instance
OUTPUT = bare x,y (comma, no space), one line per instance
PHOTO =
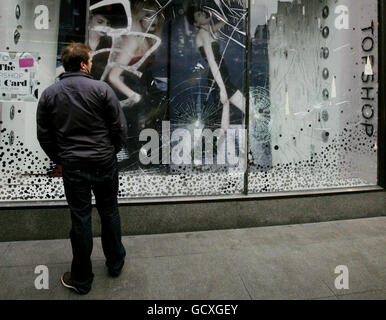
180,71
313,118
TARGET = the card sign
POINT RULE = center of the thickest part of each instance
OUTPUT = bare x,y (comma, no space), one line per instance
18,76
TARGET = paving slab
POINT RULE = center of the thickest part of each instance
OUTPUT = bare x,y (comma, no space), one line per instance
374,251
18,283
278,273
269,236
326,298
197,277
361,228
367,295
3,249
279,262
43,252
323,258
298,235
24,253
173,244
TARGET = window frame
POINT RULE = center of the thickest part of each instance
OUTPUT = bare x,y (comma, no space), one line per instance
381,141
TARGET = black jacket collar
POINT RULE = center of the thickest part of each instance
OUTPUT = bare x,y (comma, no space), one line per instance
74,74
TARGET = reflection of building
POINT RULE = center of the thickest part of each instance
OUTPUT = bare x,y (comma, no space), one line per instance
260,42
261,33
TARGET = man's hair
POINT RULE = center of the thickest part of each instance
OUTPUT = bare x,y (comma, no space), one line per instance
73,55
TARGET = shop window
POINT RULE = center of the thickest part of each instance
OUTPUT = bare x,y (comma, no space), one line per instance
313,109
187,74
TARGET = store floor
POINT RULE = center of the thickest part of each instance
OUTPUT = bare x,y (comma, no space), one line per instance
280,262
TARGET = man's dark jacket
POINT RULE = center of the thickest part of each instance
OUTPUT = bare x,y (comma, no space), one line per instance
80,121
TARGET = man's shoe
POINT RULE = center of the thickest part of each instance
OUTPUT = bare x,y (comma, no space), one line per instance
66,281
115,273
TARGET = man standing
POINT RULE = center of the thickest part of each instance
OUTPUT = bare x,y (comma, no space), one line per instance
80,125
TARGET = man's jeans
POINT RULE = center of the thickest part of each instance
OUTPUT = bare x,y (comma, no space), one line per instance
78,183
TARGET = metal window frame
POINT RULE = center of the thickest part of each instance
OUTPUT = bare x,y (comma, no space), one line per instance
382,93
290,194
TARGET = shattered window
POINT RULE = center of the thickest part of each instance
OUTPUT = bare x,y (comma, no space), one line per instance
314,84
283,93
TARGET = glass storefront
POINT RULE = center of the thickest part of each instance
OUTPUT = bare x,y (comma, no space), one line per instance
221,97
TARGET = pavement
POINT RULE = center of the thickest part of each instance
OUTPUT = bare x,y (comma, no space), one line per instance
267,263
